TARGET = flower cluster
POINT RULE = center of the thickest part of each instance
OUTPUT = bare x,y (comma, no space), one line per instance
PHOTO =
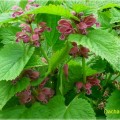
27,35
91,81
19,11
38,93
78,51
65,27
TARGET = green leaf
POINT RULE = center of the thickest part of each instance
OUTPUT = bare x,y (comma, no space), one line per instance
5,18
75,110
58,57
109,5
101,43
23,3
13,58
96,63
80,7
115,15
37,111
75,73
12,113
112,109
54,109
53,36
8,90
54,10
8,34
35,61
104,18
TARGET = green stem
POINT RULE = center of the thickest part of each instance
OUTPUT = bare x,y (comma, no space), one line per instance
84,70
108,79
44,54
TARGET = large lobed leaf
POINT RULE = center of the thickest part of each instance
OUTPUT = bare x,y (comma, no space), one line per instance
13,58
56,108
54,10
101,43
8,90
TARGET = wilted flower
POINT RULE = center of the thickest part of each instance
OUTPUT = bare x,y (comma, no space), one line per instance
45,94
32,74
74,50
83,52
24,96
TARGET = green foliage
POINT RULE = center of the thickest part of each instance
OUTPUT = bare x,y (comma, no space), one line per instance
23,3
96,63
101,43
75,73
54,10
35,61
58,57
53,36
55,109
112,108
8,90
8,34
115,15
13,58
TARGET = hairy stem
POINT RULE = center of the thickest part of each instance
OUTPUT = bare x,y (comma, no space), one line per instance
84,70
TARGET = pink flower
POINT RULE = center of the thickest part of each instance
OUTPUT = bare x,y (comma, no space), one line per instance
22,36
17,13
81,26
24,96
79,85
26,27
74,50
65,28
89,21
45,94
83,51
35,37
93,81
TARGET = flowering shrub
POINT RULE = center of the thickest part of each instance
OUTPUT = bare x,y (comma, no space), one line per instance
59,60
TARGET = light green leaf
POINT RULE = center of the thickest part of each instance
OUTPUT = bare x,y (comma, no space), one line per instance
54,10
102,44
35,61
8,90
75,110
80,7
109,5
58,57
115,15
112,109
13,58
8,34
